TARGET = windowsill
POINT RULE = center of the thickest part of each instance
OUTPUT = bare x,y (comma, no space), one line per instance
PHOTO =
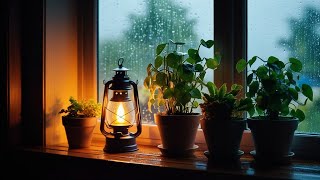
146,162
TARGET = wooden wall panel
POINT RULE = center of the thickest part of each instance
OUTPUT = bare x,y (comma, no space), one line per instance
61,69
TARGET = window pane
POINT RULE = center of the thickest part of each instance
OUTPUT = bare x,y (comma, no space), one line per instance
132,28
289,28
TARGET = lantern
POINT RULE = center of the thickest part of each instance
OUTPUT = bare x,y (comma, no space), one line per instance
120,113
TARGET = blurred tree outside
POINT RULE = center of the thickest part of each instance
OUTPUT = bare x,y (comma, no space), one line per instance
304,43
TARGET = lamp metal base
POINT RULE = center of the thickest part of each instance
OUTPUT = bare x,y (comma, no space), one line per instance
120,144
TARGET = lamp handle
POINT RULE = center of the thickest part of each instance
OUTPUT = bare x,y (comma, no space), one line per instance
137,106
104,105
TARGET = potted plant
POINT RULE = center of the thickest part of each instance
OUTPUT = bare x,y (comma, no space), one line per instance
173,81
277,97
223,122
79,121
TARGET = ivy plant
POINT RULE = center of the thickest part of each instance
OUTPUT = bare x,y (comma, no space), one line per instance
221,104
274,87
175,78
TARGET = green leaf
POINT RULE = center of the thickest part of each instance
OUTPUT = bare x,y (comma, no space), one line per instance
194,54
190,60
241,65
293,93
195,104
207,44
284,109
280,64
222,90
158,61
272,60
289,75
198,68
160,48
252,60
251,111
212,63
186,72
307,91
300,115
262,72
212,88
296,65
195,93
173,60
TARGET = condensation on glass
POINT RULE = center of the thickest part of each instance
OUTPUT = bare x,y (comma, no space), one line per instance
131,29
289,28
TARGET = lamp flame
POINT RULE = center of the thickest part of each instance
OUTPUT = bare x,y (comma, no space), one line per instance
120,114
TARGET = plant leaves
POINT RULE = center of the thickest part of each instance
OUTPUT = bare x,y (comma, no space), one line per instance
300,115
212,63
222,90
158,61
293,93
173,60
160,48
241,65
198,68
194,54
207,44
296,65
212,88
307,91
195,93
272,60
252,60
190,60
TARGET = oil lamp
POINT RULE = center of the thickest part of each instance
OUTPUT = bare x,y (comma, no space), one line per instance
120,113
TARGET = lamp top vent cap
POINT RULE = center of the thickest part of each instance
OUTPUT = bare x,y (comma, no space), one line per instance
120,66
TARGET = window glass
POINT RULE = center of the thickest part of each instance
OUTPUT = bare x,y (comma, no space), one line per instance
132,29
289,29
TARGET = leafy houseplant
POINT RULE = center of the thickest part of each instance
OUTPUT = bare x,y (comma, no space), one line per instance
173,81
79,121
223,121
276,93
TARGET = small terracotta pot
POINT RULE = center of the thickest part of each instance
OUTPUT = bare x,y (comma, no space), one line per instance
79,131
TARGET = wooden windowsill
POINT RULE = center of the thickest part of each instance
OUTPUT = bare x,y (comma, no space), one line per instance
148,161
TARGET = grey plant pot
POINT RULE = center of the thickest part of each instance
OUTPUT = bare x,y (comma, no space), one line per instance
177,133
223,138
273,139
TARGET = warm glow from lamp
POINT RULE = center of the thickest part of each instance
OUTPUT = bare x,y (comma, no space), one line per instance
120,114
